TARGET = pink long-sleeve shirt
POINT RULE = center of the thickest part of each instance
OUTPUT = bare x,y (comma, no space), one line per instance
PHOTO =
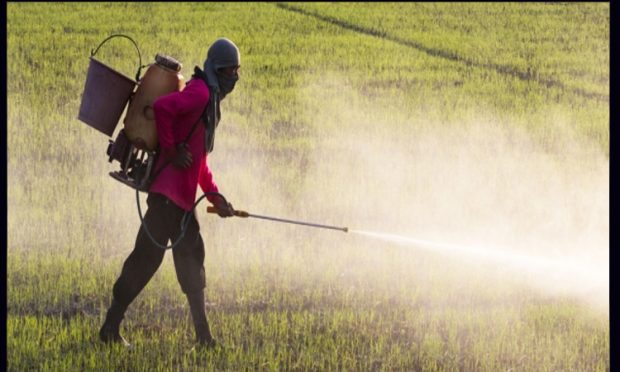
175,115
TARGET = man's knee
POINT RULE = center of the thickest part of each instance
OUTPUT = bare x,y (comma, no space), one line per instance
191,280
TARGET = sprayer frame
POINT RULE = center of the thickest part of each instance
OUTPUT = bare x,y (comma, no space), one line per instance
136,164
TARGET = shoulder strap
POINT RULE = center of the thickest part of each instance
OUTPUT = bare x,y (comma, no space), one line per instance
196,124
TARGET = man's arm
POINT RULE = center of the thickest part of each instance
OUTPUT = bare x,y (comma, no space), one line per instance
205,180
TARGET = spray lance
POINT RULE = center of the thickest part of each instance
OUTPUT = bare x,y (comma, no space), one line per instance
244,214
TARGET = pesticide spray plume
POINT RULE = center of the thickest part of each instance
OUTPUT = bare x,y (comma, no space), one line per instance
573,274
496,254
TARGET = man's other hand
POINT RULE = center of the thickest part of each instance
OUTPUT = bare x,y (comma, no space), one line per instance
225,209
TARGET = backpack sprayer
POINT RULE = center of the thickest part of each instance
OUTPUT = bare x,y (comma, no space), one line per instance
108,92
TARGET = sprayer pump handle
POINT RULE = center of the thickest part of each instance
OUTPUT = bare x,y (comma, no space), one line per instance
236,213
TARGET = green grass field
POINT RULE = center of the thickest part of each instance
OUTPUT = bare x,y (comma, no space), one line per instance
472,124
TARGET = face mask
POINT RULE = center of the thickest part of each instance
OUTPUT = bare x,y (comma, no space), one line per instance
226,83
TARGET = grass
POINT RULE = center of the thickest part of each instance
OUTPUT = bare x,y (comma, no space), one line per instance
276,319
281,297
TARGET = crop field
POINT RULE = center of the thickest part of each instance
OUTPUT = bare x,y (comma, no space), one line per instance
464,145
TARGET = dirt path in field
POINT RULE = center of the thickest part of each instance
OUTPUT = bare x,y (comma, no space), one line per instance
529,75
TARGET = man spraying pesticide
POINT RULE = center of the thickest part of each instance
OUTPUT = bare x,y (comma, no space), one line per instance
180,168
